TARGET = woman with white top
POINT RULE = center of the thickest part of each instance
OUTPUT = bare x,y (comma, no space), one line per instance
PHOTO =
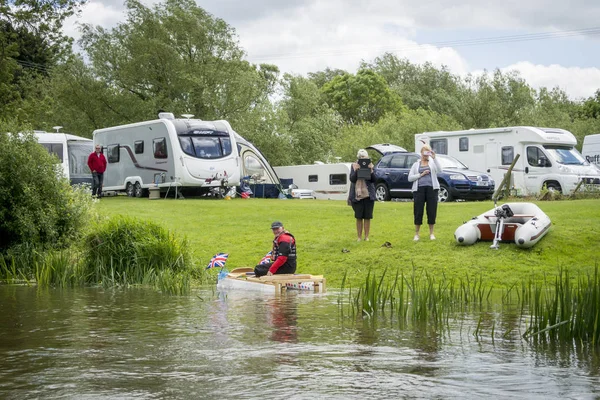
425,189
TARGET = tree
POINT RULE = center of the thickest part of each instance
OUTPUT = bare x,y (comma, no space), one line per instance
591,106
364,97
31,42
179,58
37,205
306,121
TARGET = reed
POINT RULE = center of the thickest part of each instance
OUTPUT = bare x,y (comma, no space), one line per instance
561,309
126,251
565,312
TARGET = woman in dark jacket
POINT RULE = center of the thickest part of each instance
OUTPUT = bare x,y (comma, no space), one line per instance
362,195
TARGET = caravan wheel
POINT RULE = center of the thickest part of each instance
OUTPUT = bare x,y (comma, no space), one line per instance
129,189
137,190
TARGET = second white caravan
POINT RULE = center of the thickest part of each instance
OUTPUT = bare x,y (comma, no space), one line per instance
327,181
72,152
548,156
188,154
591,148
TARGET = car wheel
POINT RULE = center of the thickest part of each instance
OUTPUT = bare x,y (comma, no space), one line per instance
553,187
382,193
129,189
444,194
137,190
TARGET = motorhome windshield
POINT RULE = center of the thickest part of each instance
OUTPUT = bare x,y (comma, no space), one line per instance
566,155
205,143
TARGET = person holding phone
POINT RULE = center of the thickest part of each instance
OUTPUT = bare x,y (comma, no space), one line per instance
362,194
423,175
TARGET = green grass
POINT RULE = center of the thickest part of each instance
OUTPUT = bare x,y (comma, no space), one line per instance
323,228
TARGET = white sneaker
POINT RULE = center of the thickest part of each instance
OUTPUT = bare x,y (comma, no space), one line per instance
431,237
416,238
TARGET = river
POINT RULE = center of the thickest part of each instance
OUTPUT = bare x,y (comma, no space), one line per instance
94,343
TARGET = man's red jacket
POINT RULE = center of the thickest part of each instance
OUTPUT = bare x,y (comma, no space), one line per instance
97,162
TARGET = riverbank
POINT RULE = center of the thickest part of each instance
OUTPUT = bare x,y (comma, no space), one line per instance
325,231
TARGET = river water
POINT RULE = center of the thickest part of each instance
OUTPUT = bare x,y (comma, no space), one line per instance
136,343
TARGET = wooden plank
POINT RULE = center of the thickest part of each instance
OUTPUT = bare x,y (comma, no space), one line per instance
282,277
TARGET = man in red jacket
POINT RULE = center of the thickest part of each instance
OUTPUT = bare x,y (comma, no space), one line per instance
97,164
284,253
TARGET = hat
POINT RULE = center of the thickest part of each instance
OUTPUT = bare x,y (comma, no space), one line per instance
362,153
276,225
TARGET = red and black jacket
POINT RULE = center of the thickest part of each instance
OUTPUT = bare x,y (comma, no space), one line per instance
284,254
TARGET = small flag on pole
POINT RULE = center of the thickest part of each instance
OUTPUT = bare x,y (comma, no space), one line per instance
266,259
218,261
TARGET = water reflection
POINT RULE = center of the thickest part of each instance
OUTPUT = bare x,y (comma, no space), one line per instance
92,343
282,315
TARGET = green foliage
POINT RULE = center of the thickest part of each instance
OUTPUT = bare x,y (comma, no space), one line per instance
124,251
364,97
175,57
37,204
31,42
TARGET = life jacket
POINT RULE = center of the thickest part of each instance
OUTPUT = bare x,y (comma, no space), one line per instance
292,256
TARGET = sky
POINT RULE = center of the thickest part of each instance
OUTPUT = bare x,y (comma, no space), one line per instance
550,43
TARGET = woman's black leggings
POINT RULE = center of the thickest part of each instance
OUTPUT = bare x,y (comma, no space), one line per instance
425,194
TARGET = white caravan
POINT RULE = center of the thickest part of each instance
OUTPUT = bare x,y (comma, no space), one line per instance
72,152
188,154
591,148
327,181
547,156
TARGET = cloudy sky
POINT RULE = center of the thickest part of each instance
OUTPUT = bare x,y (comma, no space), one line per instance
550,42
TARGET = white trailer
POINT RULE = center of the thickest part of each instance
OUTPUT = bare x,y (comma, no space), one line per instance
547,156
72,152
191,155
591,149
327,181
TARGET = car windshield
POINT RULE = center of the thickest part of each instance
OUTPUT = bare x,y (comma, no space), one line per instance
566,155
448,162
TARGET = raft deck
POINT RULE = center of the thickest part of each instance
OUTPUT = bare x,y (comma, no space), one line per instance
239,278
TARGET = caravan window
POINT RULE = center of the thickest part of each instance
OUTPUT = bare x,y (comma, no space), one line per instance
313,178
508,155
112,151
186,145
205,143
55,148
160,148
338,179
537,158
440,146
138,146
463,144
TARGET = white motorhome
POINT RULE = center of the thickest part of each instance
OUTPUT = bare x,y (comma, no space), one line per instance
72,152
327,181
547,156
591,149
188,154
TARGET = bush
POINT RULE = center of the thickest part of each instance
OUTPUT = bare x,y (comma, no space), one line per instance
128,251
37,204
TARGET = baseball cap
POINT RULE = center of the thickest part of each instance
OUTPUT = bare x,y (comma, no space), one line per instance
276,225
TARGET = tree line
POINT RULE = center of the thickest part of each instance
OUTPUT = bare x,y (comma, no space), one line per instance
175,56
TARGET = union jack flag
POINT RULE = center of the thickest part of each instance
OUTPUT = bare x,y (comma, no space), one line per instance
218,260
266,259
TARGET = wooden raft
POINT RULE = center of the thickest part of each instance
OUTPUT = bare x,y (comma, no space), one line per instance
281,282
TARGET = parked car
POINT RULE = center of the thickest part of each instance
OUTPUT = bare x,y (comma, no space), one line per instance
456,180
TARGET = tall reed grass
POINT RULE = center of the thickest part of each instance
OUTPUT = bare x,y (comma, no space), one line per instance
127,251
562,310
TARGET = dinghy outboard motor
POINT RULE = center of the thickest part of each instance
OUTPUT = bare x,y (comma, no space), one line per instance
501,214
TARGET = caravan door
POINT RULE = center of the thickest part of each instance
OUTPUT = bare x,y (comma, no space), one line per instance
537,167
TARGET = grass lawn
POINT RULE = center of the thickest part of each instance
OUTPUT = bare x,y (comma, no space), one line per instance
323,228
